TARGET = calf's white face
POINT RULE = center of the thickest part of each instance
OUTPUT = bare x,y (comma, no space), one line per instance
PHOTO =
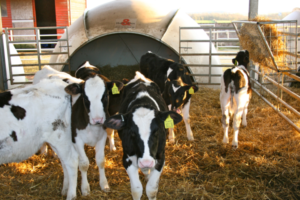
95,93
143,118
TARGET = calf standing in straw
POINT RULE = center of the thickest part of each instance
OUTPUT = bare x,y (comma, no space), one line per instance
235,95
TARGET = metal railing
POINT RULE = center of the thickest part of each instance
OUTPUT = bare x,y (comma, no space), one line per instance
211,40
36,41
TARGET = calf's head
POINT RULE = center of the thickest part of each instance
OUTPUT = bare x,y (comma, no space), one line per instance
242,58
179,94
94,97
142,132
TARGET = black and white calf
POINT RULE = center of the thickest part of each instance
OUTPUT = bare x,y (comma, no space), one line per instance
89,111
114,99
175,96
235,95
140,124
36,114
163,71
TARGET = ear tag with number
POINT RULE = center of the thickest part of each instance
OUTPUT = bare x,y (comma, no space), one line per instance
235,63
115,89
169,122
191,90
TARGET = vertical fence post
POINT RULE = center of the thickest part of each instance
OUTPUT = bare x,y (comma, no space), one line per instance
3,78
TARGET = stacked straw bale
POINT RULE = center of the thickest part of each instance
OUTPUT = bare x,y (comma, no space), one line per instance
251,40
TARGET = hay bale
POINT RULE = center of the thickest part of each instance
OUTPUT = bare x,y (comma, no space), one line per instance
251,40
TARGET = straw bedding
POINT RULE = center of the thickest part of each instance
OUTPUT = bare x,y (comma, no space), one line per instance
252,41
265,166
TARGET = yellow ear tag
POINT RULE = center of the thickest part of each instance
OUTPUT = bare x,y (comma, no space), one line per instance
191,90
115,89
169,123
235,63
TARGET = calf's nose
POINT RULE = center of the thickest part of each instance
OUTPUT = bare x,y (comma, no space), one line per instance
98,120
146,164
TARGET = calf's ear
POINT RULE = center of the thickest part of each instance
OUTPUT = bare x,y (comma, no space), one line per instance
73,89
233,61
174,115
195,87
119,84
116,122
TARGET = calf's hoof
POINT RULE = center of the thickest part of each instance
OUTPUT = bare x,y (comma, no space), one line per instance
112,148
191,138
225,141
85,191
64,192
171,141
107,189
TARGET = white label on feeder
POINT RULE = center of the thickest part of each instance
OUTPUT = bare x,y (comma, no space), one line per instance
125,23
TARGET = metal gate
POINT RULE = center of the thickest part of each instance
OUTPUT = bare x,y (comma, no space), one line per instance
218,38
32,43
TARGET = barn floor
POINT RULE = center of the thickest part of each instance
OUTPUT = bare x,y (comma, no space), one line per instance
265,166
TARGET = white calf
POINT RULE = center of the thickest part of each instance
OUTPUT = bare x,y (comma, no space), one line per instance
36,114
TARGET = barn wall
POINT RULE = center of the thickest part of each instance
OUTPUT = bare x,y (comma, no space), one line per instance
22,16
62,14
77,9
6,21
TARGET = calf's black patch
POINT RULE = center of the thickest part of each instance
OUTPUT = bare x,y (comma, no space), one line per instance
18,112
58,123
13,135
5,97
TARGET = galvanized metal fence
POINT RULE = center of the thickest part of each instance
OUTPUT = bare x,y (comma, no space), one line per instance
35,41
212,41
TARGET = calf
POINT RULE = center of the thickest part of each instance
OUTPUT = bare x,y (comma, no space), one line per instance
160,71
114,98
34,115
175,96
235,95
89,112
140,124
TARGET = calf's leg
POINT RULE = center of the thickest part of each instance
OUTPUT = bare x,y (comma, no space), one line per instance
136,185
110,135
241,100
225,106
152,184
83,166
244,122
100,160
187,121
69,156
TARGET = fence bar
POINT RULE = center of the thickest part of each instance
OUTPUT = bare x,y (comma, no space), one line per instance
280,86
227,40
207,27
277,98
199,65
281,114
42,54
214,75
26,65
297,78
207,54
268,48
